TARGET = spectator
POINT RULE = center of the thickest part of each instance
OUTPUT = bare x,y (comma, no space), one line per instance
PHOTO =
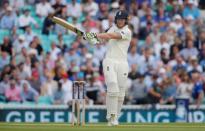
178,63
164,56
153,90
91,8
148,44
161,18
145,31
134,20
29,34
72,55
58,7
177,23
146,61
38,47
155,34
90,24
133,56
172,35
27,67
74,9
19,44
14,34
194,65
9,20
4,7
133,74
21,57
6,71
4,59
67,88
13,92
162,44
99,52
35,76
54,51
184,89
202,57
24,72
103,11
189,51
32,51
43,8
60,61
7,46
57,73
17,4
25,20
48,62
144,8
175,48
191,9
4,84
49,86
93,89
138,92
168,91
61,43
58,95
189,24
101,99
89,67
197,92
28,94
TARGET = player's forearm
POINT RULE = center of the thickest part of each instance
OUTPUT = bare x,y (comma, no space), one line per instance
108,36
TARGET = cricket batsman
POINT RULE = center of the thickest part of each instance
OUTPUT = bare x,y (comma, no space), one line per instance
115,65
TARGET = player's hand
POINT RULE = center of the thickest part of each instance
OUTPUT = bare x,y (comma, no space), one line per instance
91,37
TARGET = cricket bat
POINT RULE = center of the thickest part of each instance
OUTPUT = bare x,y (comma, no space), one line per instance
67,25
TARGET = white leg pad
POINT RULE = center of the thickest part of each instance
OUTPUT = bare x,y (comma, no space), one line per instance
119,106
112,99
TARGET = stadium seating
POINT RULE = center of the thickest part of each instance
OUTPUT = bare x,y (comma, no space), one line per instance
2,99
45,42
44,100
3,33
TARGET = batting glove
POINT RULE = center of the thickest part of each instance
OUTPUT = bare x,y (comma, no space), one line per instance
91,37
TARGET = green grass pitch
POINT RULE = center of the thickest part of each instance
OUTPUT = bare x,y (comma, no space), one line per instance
102,127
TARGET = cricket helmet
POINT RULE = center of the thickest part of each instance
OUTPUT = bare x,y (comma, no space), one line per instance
121,14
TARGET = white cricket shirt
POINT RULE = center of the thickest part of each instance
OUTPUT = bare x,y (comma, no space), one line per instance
117,49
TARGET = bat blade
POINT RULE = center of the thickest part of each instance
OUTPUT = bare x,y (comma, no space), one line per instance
67,25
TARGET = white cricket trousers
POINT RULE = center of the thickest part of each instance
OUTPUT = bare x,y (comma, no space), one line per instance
115,73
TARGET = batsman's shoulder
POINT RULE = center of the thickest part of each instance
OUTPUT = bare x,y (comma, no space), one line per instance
127,31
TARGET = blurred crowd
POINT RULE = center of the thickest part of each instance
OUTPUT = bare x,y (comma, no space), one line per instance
39,59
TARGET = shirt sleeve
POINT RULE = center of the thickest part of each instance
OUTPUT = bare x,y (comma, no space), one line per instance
125,34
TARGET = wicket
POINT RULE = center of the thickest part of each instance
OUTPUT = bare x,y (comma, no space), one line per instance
78,95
